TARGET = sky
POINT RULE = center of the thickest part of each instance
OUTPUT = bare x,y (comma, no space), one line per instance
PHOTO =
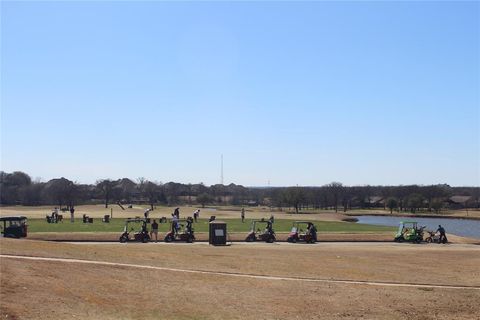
291,93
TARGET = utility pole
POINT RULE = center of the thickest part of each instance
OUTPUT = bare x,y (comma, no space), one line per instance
221,170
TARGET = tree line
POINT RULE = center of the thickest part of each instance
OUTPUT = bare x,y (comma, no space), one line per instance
18,188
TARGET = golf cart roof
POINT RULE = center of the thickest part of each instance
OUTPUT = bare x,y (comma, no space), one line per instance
13,218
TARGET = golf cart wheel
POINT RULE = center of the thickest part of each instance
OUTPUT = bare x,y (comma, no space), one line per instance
428,240
123,239
168,239
294,240
190,239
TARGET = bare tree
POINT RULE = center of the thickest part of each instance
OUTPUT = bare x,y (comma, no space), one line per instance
294,196
204,198
336,190
391,204
151,192
61,192
105,187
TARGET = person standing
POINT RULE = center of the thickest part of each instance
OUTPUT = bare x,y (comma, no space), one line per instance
55,215
175,222
154,230
72,217
443,236
312,230
177,213
243,215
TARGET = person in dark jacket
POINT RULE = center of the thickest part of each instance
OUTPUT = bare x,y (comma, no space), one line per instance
312,230
154,231
443,236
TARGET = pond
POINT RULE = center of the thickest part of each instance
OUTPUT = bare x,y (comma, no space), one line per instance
460,227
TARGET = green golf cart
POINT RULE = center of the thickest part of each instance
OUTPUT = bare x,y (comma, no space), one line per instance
409,231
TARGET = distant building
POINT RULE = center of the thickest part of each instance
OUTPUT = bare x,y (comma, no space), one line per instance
375,202
251,203
460,202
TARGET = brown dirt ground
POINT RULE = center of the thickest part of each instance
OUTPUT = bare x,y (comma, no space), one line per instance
45,290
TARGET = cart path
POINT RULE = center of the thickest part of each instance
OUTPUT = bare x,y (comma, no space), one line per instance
244,275
382,244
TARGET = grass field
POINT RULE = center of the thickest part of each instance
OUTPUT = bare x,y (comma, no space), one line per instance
234,225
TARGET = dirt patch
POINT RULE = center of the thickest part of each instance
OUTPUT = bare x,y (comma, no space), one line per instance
56,290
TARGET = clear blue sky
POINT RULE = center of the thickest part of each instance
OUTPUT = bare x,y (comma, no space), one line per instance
291,93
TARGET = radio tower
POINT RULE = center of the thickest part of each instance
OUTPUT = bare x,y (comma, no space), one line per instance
221,170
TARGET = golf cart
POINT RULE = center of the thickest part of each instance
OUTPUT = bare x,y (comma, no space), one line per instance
255,234
14,227
303,231
181,230
142,233
409,231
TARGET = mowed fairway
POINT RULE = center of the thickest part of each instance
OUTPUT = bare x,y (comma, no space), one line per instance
234,225
46,289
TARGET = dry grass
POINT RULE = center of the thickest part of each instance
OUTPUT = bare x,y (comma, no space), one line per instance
98,211
44,290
